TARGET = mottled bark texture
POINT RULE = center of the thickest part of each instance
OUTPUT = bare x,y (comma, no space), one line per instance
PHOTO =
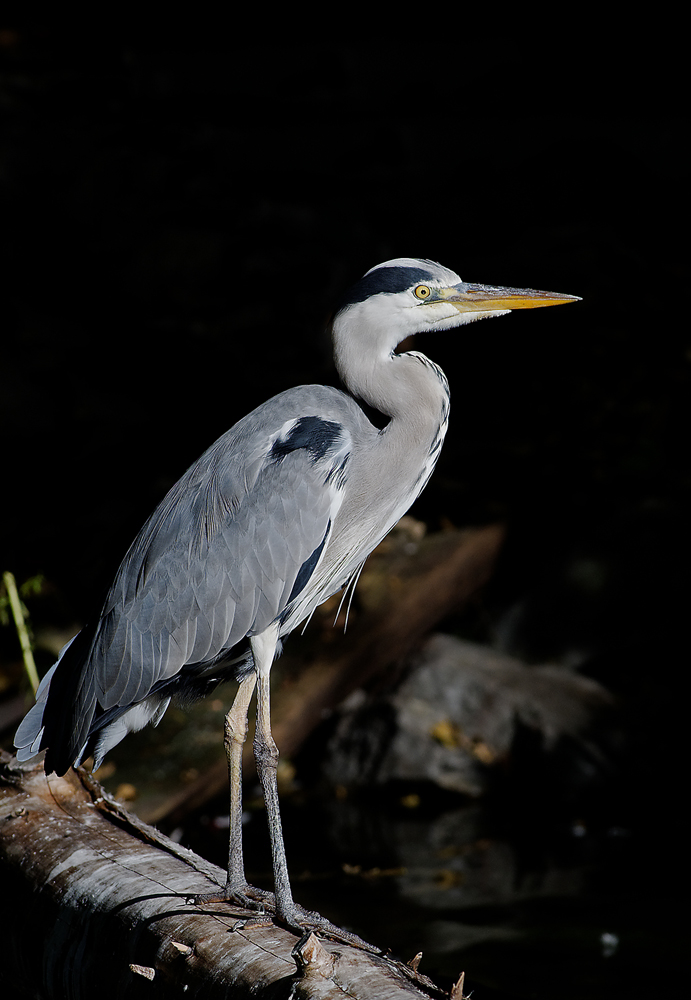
94,904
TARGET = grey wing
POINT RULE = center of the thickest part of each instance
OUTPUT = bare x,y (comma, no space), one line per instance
229,551
233,547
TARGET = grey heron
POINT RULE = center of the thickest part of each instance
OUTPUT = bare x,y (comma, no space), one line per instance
275,517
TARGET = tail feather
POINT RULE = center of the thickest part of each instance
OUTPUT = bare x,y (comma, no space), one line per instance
69,723
60,720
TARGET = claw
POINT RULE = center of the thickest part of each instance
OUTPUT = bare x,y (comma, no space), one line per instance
300,921
249,898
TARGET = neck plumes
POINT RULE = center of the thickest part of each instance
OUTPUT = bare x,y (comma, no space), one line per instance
408,388
391,466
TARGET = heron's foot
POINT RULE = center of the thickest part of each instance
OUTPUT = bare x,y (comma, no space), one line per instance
293,917
305,922
247,897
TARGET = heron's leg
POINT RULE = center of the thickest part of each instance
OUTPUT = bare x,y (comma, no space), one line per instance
266,755
235,734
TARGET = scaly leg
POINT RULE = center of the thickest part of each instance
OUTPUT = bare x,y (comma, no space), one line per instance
266,756
295,917
235,734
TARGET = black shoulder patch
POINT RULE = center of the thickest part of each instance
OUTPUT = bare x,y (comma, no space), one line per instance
306,570
314,434
384,279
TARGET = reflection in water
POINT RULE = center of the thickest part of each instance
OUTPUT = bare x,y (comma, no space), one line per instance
535,912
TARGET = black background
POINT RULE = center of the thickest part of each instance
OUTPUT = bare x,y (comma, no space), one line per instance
182,204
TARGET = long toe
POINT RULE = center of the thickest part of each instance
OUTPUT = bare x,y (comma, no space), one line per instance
304,921
248,897
296,918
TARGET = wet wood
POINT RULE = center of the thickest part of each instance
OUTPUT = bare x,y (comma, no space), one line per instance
95,904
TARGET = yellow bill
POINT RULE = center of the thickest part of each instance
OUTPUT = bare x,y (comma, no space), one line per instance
485,298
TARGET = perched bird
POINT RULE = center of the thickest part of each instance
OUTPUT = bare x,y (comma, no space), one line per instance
279,514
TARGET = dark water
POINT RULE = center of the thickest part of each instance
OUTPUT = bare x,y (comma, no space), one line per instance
528,907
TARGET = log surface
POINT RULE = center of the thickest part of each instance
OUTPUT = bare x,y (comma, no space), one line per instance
95,904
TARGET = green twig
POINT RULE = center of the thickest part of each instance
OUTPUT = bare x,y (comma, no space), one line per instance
20,625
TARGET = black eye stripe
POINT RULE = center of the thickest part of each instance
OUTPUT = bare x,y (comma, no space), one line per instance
385,279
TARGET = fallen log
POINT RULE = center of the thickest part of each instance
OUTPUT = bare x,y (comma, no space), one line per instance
96,903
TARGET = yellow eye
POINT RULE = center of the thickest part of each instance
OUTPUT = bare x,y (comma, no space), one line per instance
422,292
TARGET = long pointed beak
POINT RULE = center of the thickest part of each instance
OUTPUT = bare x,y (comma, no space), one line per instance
487,298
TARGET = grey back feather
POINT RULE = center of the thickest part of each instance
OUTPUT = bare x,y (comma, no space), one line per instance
218,559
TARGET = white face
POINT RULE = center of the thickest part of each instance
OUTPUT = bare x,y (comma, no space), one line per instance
406,296
435,299
437,304
426,305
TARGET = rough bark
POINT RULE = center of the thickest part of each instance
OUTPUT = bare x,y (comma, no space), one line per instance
95,903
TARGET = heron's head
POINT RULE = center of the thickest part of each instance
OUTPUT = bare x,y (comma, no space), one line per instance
405,296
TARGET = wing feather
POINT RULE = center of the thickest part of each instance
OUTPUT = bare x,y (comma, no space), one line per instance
217,561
